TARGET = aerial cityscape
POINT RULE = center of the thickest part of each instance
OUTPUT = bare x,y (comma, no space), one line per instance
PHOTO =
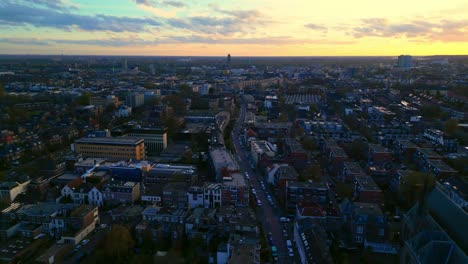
161,131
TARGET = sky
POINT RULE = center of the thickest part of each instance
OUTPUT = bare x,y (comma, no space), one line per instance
238,27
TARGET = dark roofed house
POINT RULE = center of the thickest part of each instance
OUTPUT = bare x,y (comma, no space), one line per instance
311,243
366,190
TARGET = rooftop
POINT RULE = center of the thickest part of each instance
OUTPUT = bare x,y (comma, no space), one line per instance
110,141
428,153
367,209
353,167
367,183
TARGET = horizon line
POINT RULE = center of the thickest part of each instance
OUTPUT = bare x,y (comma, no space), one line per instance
238,56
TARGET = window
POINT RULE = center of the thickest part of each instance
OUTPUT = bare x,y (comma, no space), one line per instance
381,232
359,229
358,239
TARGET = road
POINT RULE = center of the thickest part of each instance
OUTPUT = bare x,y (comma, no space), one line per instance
268,215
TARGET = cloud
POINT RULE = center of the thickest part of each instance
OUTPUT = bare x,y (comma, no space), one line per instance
19,14
155,3
316,27
55,4
173,3
230,22
436,30
135,41
24,41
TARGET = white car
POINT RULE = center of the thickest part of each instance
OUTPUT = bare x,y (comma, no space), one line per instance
85,241
290,252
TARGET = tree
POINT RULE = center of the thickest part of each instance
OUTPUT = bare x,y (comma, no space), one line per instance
312,172
84,99
118,244
412,186
451,126
309,143
185,91
2,91
358,149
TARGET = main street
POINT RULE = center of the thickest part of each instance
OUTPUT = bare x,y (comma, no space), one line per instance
269,216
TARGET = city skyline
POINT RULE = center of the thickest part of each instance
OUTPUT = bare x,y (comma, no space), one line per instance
243,28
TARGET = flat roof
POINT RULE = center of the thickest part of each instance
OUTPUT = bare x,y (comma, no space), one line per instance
353,167
367,183
429,152
110,141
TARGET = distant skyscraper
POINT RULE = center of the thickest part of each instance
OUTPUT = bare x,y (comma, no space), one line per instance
125,66
229,59
405,61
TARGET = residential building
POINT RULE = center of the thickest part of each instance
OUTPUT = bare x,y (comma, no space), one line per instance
350,171
262,151
235,190
175,195
135,99
305,192
369,228
212,197
367,191
121,192
195,197
221,160
311,242
9,190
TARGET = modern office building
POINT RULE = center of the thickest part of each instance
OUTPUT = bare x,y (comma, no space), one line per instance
405,61
155,138
111,148
135,99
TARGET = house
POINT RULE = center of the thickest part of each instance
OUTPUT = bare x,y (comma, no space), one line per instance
9,190
212,196
310,210
83,192
457,190
440,169
439,138
404,150
195,197
278,175
126,215
121,192
175,195
152,194
68,223
378,154
311,242
201,222
367,191
350,171
235,190
422,156
164,215
369,228
262,152
239,220
295,154
336,158
305,191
